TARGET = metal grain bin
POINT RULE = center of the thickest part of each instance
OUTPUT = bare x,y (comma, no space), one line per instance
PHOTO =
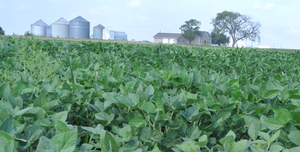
120,35
79,28
49,31
98,31
39,28
60,28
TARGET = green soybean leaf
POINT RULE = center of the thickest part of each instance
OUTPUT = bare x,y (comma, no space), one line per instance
127,100
202,141
190,112
7,143
193,132
149,90
104,117
239,146
275,136
272,94
282,115
253,130
4,90
64,142
137,122
8,127
295,137
275,148
148,107
41,102
61,127
62,116
108,142
273,123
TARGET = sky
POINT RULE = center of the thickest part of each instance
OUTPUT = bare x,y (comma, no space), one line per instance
142,19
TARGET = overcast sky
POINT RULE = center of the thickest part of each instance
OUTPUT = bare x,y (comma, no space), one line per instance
142,19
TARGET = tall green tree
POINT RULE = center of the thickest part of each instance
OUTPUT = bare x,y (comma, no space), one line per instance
219,38
2,32
239,27
190,29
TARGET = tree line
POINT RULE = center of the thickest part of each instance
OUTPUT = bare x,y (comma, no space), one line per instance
226,24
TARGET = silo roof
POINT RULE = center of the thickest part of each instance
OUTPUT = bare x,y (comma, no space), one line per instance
79,19
61,21
99,26
40,23
120,33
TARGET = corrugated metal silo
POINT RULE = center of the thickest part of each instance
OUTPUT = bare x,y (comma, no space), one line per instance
49,31
98,31
79,28
39,28
60,28
120,35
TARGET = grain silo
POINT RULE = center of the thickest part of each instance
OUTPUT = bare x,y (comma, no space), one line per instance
39,28
98,31
79,28
49,31
60,28
120,35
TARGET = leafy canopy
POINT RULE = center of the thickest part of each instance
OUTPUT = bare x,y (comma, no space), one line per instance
239,27
2,32
190,29
219,38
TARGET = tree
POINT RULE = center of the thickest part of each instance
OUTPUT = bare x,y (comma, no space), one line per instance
190,29
239,27
219,38
27,33
2,32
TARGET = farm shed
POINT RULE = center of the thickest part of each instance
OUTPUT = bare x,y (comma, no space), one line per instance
120,35
176,38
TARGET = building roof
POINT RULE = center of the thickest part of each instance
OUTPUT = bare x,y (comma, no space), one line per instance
79,19
99,26
203,32
167,35
61,21
40,23
120,33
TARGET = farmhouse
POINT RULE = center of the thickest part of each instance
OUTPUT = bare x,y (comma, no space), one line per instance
176,38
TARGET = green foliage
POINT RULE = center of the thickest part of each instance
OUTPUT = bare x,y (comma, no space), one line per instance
27,33
239,27
219,38
85,96
190,29
2,32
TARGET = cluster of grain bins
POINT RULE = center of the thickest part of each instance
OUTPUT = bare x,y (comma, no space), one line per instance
77,28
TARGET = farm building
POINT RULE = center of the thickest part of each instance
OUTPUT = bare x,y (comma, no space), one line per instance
49,31
60,28
176,38
79,28
39,28
98,31
120,35
108,33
